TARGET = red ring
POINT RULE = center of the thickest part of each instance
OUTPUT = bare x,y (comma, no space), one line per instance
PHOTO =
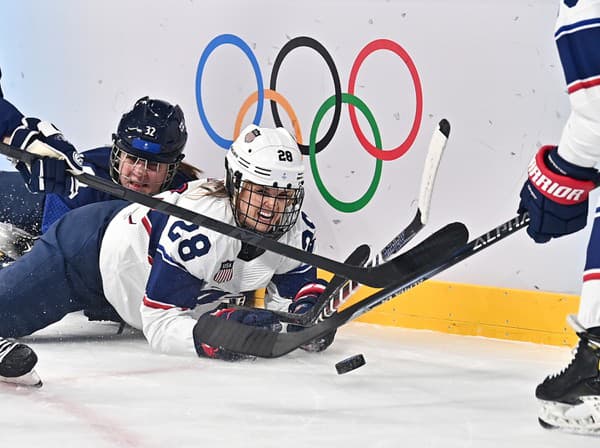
385,44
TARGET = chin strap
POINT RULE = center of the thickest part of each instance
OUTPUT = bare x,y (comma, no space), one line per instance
249,252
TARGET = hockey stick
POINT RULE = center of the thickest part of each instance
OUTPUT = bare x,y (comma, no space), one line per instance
340,289
255,341
435,150
375,276
442,243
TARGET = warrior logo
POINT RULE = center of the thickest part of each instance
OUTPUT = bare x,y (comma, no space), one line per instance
225,273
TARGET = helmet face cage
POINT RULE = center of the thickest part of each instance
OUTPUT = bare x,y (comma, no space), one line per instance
271,211
153,133
264,180
118,156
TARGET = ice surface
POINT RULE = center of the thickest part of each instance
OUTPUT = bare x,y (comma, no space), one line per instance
418,389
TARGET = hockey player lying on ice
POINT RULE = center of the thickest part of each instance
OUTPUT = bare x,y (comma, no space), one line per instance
161,273
146,156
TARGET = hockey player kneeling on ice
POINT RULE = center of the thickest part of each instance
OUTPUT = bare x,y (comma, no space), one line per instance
161,273
556,198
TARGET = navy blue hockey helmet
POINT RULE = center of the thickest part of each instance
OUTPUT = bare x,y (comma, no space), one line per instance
153,131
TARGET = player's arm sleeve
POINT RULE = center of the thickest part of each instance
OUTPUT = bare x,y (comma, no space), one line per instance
577,38
168,307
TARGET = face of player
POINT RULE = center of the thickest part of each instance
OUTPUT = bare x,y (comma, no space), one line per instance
141,175
259,207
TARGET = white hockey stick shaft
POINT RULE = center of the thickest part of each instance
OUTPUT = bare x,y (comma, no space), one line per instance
437,145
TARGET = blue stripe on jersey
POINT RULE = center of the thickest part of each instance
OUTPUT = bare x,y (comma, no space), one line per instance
592,260
173,285
578,50
289,283
158,221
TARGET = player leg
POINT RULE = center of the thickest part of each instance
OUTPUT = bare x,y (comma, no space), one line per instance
59,275
568,399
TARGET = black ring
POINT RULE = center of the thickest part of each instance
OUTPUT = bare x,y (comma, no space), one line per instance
304,41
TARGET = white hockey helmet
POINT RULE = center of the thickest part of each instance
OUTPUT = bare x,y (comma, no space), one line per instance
265,157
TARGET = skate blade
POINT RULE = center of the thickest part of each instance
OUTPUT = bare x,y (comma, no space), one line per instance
30,379
582,418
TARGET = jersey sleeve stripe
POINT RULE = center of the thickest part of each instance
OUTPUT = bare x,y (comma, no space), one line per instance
159,305
581,65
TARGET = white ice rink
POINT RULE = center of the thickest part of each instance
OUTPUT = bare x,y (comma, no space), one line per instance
418,389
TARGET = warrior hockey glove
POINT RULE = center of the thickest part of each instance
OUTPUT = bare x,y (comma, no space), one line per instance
556,195
256,318
305,299
52,172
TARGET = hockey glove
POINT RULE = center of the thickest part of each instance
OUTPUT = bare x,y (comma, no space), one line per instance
52,172
253,317
305,299
556,195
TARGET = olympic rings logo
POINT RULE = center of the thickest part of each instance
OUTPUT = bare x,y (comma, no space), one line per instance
335,101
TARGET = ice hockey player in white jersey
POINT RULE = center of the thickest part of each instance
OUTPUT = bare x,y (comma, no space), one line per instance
161,273
556,197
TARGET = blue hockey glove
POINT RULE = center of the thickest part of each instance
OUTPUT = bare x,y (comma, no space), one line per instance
556,195
52,172
10,118
253,317
305,300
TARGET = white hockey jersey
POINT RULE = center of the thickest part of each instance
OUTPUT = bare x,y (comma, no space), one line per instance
160,272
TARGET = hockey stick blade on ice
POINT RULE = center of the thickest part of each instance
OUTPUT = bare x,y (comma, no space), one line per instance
244,339
375,276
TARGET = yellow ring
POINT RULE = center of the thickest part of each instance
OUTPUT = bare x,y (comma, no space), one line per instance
270,95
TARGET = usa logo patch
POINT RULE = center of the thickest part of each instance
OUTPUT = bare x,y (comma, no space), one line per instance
225,273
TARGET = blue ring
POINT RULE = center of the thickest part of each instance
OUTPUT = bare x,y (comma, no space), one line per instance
213,44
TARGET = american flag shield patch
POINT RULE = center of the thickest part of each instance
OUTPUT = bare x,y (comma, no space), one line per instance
225,273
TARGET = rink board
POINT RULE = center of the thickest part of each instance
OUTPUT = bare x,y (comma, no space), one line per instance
531,316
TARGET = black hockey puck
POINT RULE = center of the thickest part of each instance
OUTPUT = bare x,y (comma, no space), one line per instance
349,364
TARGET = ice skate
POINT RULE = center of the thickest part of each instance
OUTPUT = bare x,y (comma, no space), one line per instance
570,400
16,364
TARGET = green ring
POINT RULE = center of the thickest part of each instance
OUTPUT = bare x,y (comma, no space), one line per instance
347,207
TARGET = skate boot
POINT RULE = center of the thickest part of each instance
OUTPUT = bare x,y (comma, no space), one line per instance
570,400
16,364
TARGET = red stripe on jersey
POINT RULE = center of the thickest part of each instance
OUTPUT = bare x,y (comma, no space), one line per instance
159,305
591,276
583,85
147,224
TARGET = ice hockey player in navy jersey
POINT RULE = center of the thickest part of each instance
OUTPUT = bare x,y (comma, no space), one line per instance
556,197
146,155
161,273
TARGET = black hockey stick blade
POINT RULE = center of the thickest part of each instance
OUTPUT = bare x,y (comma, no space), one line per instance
376,276
248,340
245,339
423,256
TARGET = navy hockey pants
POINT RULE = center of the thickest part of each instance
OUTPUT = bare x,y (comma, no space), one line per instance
59,275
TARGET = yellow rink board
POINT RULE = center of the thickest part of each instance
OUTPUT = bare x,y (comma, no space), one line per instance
532,316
